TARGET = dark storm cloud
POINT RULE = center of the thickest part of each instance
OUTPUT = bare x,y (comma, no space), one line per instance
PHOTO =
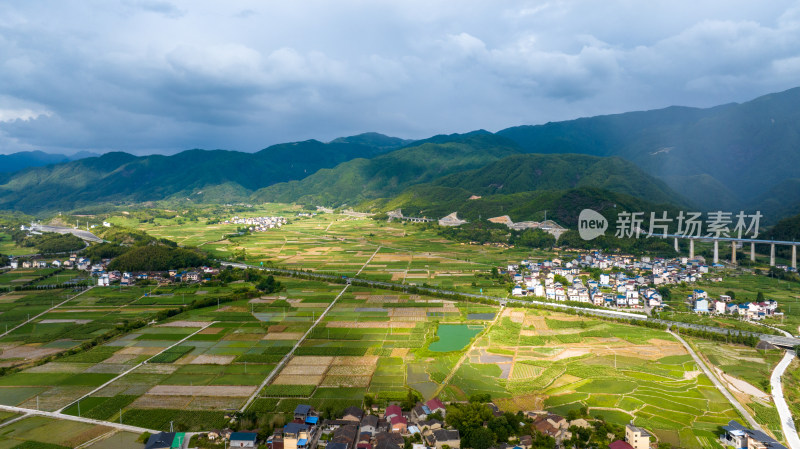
158,76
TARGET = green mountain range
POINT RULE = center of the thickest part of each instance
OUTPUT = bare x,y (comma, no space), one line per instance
527,172
563,206
726,156
389,174
730,157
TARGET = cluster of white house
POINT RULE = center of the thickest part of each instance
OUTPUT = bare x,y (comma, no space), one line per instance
78,263
628,293
725,306
106,278
612,289
258,224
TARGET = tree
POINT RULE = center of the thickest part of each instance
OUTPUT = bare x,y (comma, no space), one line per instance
269,285
481,398
369,400
466,417
760,297
412,397
481,438
732,294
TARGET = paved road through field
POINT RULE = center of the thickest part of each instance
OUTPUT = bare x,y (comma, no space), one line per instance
466,353
787,422
288,356
56,415
747,416
46,311
135,367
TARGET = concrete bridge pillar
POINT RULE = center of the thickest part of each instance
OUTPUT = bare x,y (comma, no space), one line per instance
716,251
752,252
772,254
691,248
733,253
677,248
794,256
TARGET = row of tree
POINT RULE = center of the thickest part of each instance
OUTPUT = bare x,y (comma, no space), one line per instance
48,242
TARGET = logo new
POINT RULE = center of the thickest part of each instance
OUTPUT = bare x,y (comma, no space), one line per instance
591,224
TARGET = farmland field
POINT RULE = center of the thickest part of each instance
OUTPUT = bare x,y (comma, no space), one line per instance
207,362
45,433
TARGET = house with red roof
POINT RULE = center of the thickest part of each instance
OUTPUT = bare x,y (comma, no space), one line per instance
391,411
399,424
435,405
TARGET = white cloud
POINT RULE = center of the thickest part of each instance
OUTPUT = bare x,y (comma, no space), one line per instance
166,76
9,115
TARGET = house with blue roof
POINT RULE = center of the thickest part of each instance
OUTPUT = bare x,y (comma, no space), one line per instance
243,439
741,437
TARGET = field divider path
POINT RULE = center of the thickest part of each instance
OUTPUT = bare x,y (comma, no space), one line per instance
119,376
56,415
18,418
467,351
46,311
368,260
289,355
747,416
97,439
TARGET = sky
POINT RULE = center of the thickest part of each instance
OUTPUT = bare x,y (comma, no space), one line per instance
153,76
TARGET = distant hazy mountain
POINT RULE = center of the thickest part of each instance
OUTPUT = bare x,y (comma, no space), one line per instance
18,161
718,156
197,174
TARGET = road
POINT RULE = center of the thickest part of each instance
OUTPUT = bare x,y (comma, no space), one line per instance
785,414
466,353
747,416
135,367
288,356
46,311
786,342
56,415
787,421
368,261
85,235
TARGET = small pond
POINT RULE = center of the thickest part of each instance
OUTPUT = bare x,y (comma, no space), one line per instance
453,337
